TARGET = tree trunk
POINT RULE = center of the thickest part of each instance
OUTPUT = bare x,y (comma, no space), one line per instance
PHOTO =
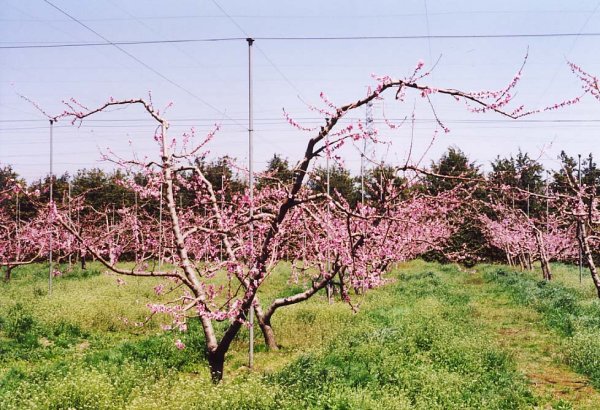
8,273
546,272
539,239
589,258
269,335
216,360
264,319
82,262
509,259
593,270
266,328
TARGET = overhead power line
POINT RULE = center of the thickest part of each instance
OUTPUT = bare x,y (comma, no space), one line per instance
116,43
295,38
266,57
211,121
158,73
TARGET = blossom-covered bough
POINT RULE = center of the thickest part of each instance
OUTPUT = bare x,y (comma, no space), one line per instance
221,254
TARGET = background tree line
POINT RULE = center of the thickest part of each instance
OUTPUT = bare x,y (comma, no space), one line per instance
102,191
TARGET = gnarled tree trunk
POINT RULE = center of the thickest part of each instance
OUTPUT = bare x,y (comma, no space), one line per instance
216,361
265,326
588,256
539,239
7,275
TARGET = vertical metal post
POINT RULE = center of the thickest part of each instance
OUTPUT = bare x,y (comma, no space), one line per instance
547,202
50,244
160,227
592,180
70,223
251,187
369,124
362,175
579,230
17,222
17,214
381,183
528,196
328,256
222,207
135,202
166,154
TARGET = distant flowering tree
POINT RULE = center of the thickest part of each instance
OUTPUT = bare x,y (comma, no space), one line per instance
23,242
16,246
581,206
223,249
582,201
525,239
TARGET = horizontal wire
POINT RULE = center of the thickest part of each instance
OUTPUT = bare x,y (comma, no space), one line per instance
299,38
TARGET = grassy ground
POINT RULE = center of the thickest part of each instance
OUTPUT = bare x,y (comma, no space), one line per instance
435,337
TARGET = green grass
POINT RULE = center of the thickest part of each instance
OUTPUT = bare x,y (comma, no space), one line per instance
566,306
416,343
415,347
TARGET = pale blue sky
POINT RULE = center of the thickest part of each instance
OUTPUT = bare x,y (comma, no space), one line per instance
288,73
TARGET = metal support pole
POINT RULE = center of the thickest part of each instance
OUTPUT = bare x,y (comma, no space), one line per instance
362,175
328,256
17,223
17,214
251,188
160,228
528,196
70,223
50,244
222,208
135,202
547,203
381,184
369,125
579,230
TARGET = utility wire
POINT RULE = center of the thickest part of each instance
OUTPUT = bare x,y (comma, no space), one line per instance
305,16
556,69
121,43
286,79
158,73
277,120
296,38
174,45
428,31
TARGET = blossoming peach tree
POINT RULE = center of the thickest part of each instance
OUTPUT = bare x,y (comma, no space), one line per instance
524,238
584,198
222,253
24,241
